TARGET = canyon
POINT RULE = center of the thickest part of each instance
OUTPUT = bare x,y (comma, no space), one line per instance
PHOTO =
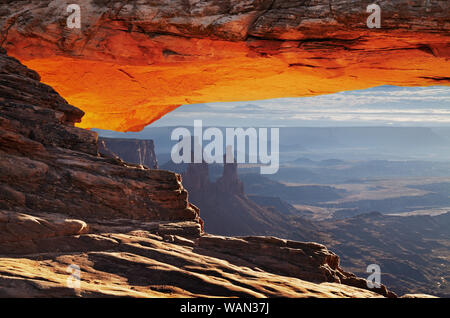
412,250
67,199
158,55
131,230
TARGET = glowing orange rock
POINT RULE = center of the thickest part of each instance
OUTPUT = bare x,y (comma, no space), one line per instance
129,67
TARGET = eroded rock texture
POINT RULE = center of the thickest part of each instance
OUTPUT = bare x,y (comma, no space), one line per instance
49,165
158,55
130,230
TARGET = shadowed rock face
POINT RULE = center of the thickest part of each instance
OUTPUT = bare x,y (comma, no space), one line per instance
49,165
131,230
227,210
158,55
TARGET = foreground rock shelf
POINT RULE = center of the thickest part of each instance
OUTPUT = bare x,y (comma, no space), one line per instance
142,264
131,230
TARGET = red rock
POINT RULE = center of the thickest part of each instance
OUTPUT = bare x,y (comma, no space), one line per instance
160,55
57,168
131,230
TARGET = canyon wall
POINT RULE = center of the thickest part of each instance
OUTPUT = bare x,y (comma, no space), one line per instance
158,55
48,165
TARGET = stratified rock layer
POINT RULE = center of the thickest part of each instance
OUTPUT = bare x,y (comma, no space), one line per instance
131,231
158,55
143,264
49,165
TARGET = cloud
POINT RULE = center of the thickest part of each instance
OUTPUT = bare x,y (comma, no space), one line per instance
379,105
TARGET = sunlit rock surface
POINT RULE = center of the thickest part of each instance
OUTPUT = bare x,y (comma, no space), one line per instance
131,63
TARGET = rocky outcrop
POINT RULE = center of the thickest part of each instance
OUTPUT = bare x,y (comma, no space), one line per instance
140,263
130,230
230,182
17,227
196,178
158,55
48,165
160,259
138,151
227,210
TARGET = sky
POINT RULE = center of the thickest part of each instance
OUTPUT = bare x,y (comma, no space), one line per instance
378,106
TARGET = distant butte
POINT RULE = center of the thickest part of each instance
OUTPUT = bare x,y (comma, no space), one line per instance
132,63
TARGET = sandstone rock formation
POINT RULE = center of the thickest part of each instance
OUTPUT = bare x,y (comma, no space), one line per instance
227,210
141,152
158,55
140,263
229,182
48,165
130,230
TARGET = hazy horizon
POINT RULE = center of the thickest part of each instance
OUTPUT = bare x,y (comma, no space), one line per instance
386,106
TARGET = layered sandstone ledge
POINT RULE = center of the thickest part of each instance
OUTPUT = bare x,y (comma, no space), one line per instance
50,165
158,55
131,230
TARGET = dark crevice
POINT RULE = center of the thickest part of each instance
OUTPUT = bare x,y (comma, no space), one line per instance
303,65
437,78
426,48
